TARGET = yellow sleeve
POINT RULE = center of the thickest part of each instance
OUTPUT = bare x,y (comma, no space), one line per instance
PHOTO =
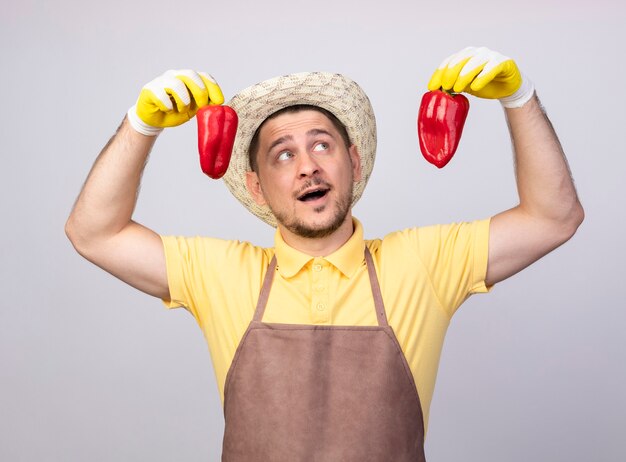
455,258
205,273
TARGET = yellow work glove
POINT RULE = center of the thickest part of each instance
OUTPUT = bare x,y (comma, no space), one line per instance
485,74
172,99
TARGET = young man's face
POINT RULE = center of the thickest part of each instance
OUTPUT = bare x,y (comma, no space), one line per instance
305,173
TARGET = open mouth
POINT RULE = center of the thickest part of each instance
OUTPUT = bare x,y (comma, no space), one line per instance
313,194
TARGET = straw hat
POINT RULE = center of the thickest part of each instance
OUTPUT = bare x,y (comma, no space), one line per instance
333,92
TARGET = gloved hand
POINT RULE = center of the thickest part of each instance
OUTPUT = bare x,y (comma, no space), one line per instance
172,99
485,74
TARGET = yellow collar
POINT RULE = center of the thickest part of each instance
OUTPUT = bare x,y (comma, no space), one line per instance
346,259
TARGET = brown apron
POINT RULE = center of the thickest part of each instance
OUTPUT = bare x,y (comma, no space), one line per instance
321,393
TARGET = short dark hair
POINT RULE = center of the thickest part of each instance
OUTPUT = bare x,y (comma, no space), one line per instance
253,150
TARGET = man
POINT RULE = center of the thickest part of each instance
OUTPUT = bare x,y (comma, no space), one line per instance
326,346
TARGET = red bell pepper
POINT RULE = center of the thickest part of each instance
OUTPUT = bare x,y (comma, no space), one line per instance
217,127
439,125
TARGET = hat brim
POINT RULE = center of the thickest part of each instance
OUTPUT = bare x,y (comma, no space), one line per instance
333,92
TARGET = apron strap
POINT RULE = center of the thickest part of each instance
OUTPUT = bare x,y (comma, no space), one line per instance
381,314
379,305
265,291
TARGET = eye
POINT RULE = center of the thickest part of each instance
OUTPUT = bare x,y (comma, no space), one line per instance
320,147
284,155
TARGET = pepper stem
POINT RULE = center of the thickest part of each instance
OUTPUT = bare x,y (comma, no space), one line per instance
450,92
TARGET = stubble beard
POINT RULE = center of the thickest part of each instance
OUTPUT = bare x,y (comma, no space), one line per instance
302,229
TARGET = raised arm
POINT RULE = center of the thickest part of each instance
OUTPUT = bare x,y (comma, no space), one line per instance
100,225
549,212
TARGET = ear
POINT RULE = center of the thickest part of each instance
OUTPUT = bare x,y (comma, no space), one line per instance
355,158
254,188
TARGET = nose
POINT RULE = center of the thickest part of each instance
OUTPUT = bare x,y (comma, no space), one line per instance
308,165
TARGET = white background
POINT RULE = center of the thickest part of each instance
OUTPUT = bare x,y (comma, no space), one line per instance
92,370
